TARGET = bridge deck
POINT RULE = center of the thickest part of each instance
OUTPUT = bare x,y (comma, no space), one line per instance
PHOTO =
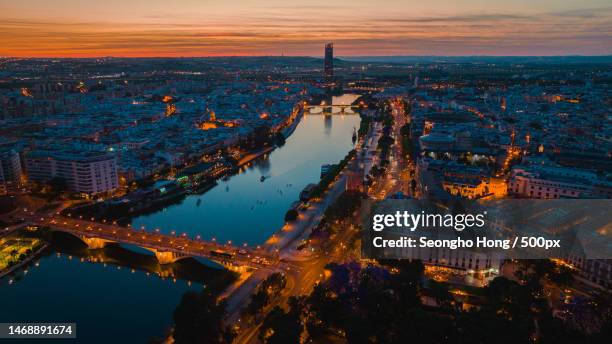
182,245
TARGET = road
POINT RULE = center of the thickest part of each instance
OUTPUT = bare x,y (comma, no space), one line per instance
302,280
181,245
398,175
306,269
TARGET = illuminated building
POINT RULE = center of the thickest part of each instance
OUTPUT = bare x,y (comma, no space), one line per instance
84,172
214,123
329,62
197,174
476,188
208,125
26,92
473,267
170,109
354,179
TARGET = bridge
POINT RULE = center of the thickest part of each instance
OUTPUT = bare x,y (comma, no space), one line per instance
167,248
329,109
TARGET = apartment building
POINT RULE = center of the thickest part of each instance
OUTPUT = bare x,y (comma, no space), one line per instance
85,172
10,169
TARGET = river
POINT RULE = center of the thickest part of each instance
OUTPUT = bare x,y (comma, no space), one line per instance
126,297
245,209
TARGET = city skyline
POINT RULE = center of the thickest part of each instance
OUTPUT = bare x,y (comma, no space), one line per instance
70,28
239,200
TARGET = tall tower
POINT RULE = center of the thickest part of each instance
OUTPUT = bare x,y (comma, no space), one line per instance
329,62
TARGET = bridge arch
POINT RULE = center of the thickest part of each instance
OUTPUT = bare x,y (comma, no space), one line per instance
166,257
94,243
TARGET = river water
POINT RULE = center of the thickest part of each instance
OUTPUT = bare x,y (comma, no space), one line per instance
245,209
130,296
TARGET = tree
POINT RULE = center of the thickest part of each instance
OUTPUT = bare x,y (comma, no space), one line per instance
280,138
57,185
344,206
439,292
291,215
199,319
267,290
258,301
260,135
281,327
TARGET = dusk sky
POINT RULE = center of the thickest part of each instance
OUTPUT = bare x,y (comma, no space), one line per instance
85,28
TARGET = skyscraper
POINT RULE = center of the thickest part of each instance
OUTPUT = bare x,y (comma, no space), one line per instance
329,62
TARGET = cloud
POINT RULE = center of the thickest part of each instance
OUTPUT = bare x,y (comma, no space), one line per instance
573,32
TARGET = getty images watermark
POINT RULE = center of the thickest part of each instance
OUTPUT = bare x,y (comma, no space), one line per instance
523,229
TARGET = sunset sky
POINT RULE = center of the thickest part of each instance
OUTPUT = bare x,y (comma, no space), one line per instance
85,28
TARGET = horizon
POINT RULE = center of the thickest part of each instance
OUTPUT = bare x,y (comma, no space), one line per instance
320,57
189,28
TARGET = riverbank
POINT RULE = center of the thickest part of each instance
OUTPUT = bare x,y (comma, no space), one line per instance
286,132
254,155
285,238
295,120
124,210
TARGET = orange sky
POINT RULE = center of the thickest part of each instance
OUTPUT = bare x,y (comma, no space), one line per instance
86,28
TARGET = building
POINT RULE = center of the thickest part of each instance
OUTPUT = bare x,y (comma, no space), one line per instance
468,266
329,62
592,271
10,166
354,179
549,182
85,172
2,184
201,173
471,188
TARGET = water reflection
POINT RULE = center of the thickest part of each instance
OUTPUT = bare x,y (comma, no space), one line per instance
245,209
328,124
190,270
101,290
104,289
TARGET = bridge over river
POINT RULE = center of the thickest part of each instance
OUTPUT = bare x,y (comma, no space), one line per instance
167,248
335,105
